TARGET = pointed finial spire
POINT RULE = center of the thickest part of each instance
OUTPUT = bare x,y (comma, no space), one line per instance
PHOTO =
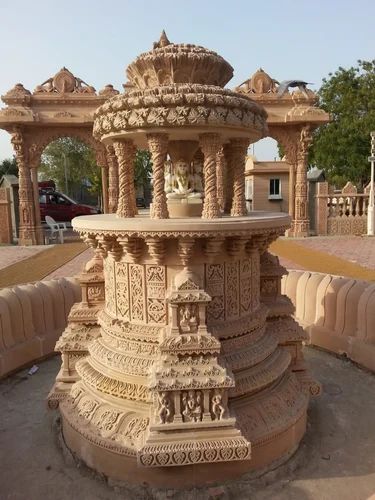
163,41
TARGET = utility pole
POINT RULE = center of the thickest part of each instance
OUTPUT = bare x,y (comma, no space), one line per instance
371,208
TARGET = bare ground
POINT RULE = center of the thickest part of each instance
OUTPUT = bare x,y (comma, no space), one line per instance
336,460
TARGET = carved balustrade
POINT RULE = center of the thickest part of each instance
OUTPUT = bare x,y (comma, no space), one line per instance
340,213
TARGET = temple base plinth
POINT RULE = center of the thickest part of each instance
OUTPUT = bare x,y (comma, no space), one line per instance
189,372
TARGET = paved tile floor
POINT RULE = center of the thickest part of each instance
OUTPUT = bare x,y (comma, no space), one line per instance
357,249
11,254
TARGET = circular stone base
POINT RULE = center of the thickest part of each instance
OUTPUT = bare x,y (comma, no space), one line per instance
125,468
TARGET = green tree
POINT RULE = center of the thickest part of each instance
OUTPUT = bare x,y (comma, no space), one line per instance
9,167
77,160
72,165
143,170
342,146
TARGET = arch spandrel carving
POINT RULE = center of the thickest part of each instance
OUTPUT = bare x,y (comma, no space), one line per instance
259,83
64,82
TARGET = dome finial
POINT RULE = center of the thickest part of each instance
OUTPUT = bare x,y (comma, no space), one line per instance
163,41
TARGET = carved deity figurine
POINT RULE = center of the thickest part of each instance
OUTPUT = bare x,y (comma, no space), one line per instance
218,409
183,179
183,184
165,408
188,321
192,408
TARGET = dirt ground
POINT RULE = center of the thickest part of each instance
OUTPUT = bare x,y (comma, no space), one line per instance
336,460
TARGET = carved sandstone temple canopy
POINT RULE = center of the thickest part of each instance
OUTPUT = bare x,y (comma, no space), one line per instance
198,364
292,118
62,106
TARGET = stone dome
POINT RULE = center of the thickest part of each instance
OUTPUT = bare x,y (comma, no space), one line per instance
170,63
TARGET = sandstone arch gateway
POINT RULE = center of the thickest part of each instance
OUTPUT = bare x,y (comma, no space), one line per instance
64,105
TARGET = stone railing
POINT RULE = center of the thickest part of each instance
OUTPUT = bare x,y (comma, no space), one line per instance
32,318
340,213
338,313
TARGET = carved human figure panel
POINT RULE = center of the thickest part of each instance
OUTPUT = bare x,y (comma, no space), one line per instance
188,314
165,408
192,406
217,406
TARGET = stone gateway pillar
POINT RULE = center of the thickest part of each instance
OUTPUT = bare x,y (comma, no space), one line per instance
301,218
27,228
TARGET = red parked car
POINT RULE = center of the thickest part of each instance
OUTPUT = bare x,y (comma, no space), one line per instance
59,206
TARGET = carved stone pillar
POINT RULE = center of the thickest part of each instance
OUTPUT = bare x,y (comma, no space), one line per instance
321,208
34,152
210,145
158,146
220,166
229,179
27,231
238,148
113,189
301,220
101,161
125,152
38,222
289,139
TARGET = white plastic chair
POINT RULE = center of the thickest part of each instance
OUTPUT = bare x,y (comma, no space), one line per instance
56,228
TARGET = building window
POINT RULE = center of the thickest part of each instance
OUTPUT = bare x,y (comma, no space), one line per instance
275,189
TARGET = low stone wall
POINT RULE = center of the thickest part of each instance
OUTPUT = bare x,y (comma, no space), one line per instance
338,313
32,318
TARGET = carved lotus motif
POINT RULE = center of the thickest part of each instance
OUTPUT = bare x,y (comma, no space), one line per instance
179,63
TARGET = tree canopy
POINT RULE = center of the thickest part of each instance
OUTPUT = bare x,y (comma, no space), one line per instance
142,169
78,161
8,167
71,164
342,146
